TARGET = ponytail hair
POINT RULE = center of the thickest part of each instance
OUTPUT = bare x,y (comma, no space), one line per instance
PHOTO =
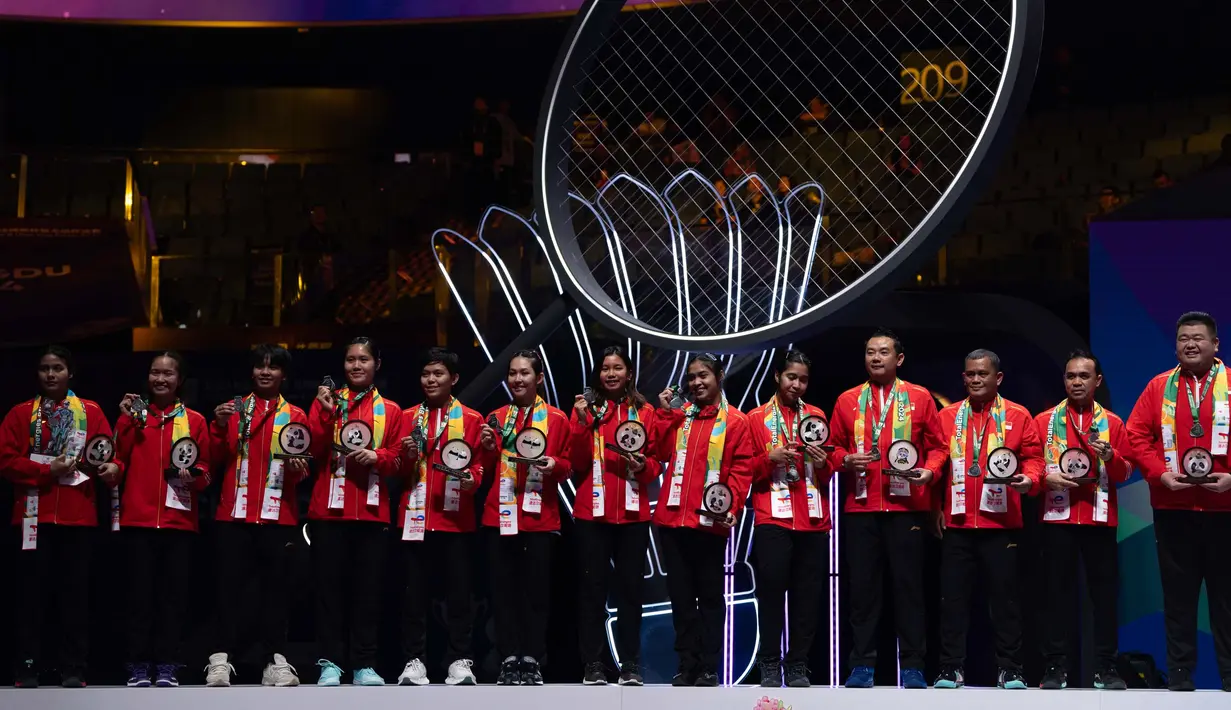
635,398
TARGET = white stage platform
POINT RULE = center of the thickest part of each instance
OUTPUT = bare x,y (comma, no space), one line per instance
576,697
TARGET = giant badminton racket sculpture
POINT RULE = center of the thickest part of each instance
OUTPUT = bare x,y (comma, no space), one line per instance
892,114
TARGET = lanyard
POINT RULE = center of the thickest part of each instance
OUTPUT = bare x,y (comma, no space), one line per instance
781,430
1195,400
987,417
245,431
442,420
885,402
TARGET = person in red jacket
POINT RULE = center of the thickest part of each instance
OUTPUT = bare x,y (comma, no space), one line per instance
522,514
42,441
981,517
1185,407
886,515
790,499
258,523
1080,516
155,442
612,512
705,442
437,518
356,442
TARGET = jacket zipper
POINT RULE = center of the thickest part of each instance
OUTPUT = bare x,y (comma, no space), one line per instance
159,479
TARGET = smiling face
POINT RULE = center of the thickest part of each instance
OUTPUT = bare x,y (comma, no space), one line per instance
1195,347
792,383
523,382
164,379
267,379
361,366
881,359
437,382
1080,381
981,379
614,376
53,377
705,386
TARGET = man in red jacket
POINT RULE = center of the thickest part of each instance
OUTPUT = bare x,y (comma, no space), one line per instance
886,516
1183,408
258,522
1085,450
981,516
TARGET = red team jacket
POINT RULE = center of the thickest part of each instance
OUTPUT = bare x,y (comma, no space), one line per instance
614,467
925,434
1145,436
438,519
1020,435
224,450
145,451
58,504
763,475
738,464
1081,499
388,464
548,520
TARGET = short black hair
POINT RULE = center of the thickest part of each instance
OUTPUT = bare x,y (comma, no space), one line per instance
445,357
536,360
981,353
1080,354
710,360
61,352
790,357
630,390
1198,318
276,355
886,333
368,343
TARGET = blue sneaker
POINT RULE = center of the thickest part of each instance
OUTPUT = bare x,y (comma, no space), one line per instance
166,676
861,677
1011,679
912,678
331,675
367,676
138,675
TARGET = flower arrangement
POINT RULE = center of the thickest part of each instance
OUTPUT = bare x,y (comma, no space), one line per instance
768,703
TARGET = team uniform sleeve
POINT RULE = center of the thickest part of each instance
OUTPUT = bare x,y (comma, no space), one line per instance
1120,467
1031,452
1143,437
15,464
839,436
199,431
935,448
739,449
653,459
558,445
389,455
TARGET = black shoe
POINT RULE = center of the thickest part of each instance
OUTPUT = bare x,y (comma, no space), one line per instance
1055,678
595,675
771,673
26,675
72,678
797,676
530,673
1109,679
1180,679
510,672
706,679
684,678
630,674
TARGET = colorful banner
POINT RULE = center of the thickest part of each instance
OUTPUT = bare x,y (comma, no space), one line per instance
63,280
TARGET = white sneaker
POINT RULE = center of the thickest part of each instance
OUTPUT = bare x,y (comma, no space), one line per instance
460,673
280,674
218,672
415,673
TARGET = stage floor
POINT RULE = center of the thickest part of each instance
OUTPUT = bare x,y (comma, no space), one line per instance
595,698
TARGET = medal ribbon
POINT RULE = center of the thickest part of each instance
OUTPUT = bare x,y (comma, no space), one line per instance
345,404
456,429
901,414
718,435
282,417
1058,436
1217,379
957,443
70,410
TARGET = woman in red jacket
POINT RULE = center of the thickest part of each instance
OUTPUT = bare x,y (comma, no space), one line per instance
790,498
522,514
703,443
41,443
612,512
437,518
349,512
158,513
257,523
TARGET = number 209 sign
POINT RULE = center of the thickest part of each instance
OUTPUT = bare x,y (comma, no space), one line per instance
929,77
